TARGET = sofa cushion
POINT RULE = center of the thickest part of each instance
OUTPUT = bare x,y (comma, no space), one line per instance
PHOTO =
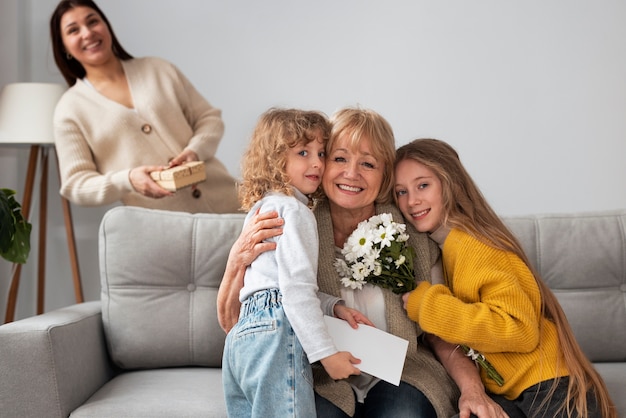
160,273
582,258
174,392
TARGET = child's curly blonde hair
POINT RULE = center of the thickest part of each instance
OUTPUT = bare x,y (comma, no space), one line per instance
264,162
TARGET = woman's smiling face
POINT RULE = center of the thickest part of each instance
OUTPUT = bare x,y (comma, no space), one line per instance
86,36
353,176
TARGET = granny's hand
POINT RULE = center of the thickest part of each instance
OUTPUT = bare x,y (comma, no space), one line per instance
480,404
243,252
474,399
352,316
252,240
142,182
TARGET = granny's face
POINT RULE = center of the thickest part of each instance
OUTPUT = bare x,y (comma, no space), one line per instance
353,176
86,36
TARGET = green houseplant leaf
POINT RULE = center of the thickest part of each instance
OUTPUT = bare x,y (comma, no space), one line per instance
14,229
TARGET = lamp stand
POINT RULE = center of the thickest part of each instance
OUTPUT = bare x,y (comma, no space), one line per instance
42,152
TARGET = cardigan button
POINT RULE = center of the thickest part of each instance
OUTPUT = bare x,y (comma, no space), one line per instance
196,193
146,128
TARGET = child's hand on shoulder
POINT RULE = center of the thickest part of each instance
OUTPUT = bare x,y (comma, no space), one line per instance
405,299
341,365
352,316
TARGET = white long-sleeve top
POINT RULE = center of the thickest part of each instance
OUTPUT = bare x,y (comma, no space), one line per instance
98,141
292,268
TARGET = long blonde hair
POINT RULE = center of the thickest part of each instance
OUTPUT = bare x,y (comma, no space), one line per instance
264,162
466,209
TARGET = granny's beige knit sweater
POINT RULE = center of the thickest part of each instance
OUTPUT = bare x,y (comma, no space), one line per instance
421,368
98,141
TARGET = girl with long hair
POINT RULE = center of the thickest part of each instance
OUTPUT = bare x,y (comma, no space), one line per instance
493,301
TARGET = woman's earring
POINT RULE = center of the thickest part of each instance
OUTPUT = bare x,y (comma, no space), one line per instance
68,56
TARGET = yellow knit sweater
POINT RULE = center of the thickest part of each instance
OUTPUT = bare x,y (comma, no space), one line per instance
492,305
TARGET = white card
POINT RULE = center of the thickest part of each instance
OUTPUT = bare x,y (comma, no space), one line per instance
382,354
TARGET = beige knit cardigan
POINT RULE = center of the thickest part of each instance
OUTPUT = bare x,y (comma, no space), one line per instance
98,141
421,369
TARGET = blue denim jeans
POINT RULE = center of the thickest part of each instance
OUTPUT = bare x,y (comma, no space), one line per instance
384,400
265,372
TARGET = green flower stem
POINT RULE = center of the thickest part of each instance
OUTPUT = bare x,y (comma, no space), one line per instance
482,361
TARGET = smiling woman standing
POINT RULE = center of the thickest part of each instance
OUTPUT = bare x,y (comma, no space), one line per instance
125,117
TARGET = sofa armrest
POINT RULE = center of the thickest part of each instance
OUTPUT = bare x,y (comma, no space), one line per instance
52,363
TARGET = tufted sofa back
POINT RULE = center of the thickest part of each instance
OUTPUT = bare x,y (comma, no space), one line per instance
582,258
160,272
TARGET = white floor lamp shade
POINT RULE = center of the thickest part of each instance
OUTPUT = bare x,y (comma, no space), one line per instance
26,111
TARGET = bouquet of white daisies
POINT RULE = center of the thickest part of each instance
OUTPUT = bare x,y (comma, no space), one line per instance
377,253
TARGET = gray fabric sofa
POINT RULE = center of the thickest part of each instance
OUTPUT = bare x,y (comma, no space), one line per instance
152,346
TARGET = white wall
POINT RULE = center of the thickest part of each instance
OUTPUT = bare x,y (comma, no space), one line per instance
532,94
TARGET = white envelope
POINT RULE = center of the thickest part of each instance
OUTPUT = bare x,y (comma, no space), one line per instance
382,354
